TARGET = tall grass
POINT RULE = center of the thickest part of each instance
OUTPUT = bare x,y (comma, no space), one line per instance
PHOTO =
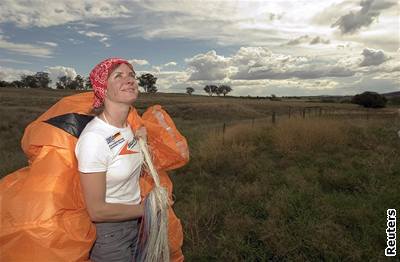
301,190
299,135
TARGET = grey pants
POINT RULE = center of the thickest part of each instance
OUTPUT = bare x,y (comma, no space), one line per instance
115,242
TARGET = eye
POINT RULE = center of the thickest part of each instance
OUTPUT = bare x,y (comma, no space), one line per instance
118,75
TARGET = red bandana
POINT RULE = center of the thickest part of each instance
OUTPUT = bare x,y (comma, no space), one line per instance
99,76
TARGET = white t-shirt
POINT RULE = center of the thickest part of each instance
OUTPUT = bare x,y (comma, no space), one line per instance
105,148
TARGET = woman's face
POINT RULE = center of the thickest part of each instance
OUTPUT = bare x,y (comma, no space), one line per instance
122,86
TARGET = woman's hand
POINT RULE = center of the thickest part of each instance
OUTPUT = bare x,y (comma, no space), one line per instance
141,132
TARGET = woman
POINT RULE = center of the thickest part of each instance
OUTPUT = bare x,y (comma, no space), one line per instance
110,162
45,218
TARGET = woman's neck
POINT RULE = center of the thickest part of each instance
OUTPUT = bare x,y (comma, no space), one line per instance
115,115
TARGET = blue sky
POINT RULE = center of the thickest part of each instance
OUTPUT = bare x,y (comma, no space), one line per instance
282,47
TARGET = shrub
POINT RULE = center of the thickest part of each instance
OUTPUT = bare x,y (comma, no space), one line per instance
370,100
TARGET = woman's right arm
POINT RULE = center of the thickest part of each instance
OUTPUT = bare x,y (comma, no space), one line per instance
94,191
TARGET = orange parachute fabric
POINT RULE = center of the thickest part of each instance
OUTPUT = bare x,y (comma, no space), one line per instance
43,214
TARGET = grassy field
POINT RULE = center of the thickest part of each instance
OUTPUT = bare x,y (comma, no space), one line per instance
306,188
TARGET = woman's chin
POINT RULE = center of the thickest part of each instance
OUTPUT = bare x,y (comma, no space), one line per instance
132,100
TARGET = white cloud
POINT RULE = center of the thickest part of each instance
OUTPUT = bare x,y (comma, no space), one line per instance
44,13
258,70
295,75
172,63
103,38
252,63
235,22
156,69
11,74
7,60
373,57
75,41
224,22
168,81
57,71
91,33
25,49
208,66
139,62
266,63
52,44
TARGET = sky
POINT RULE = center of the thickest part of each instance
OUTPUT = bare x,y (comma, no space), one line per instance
259,48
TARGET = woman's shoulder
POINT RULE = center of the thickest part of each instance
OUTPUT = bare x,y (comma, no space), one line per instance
95,128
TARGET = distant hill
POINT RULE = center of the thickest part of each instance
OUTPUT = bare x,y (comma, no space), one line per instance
392,94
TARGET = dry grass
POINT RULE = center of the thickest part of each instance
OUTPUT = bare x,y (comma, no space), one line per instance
299,135
301,190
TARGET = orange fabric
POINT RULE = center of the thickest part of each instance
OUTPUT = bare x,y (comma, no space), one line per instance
43,214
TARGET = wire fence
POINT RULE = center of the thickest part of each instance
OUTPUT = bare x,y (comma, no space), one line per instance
314,112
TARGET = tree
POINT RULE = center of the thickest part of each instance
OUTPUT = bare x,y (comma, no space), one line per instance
273,97
214,89
211,89
43,79
369,100
30,81
207,89
218,91
88,84
147,82
78,82
189,90
17,84
4,83
224,89
64,82
152,89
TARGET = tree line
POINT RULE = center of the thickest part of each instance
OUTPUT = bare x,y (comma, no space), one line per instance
42,80
148,82
212,89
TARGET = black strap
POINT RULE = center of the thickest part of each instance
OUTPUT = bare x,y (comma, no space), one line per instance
71,123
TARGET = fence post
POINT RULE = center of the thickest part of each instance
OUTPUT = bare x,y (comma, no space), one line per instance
320,112
290,109
304,112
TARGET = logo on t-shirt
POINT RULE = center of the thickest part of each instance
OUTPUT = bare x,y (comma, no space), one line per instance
128,148
114,140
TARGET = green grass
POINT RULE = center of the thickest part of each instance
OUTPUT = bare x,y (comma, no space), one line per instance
301,190
250,198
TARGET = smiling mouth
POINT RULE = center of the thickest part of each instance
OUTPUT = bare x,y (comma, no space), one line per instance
130,90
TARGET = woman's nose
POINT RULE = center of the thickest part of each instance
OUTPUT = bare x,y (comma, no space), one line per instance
130,79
